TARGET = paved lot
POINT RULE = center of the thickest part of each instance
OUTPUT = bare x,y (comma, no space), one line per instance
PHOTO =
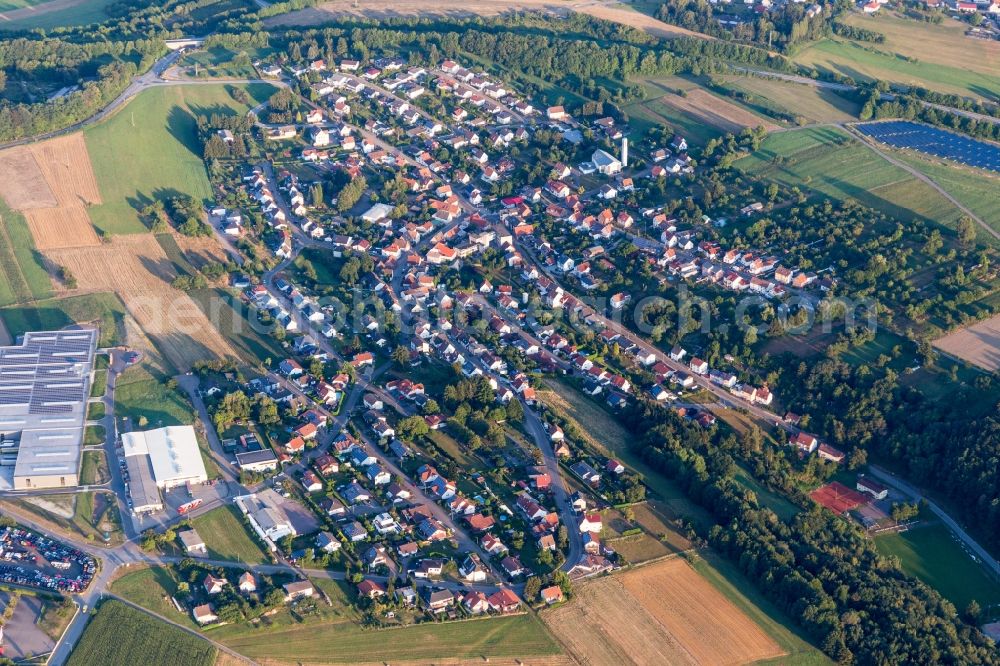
21,636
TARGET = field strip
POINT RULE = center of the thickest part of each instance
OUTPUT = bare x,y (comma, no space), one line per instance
978,344
139,271
44,8
12,268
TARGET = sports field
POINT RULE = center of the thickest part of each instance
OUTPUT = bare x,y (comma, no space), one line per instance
119,635
815,105
933,554
227,537
150,149
829,161
939,57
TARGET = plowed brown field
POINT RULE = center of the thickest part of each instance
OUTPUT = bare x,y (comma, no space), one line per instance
137,269
52,183
665,613
716,111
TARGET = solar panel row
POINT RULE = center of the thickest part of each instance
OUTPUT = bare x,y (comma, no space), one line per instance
935,141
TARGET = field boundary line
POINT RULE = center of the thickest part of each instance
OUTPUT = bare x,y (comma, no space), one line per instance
219,646
919,175
9,247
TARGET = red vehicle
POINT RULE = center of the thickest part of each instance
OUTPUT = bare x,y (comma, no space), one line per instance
188,506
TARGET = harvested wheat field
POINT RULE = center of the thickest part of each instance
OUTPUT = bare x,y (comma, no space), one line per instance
52,184
716,111
617,13
978,344
665,613
137,269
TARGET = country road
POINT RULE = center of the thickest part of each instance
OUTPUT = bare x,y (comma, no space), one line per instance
919,175
917,495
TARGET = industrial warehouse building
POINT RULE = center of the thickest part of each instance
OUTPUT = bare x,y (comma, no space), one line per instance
161,459
44,387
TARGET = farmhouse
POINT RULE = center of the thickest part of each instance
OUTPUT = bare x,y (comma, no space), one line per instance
868,485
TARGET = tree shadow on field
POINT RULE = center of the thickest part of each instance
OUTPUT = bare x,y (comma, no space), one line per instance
141,200
182,126
163,269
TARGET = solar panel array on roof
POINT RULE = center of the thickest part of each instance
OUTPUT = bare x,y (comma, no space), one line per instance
44,388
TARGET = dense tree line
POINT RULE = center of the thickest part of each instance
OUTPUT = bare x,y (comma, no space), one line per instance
855,604
857,33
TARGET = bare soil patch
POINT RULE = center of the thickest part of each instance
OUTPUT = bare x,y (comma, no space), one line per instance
716,111
664,613
202,250
137,269
978,344
615,13
52,184
625,16
23,184
709,626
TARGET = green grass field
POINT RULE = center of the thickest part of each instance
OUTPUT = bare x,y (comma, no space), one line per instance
94,468
914,52
227,537
87,11
733,584
137,394
827,160
932,554
877,61
814,104
975,188
519,636
150,149
106,310
23,277
151,589
119,635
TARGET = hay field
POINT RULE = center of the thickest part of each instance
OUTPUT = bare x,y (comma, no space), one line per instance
938,57
52,184
137,269
813,103
665,613
978,344
716,111
616,13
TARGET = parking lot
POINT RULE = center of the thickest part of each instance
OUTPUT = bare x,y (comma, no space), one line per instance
934,141
32,560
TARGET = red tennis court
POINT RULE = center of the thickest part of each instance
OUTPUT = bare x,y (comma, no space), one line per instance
838,498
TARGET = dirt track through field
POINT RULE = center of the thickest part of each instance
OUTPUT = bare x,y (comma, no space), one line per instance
138,270
978,344
664,613
52,184
716,111
616,13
